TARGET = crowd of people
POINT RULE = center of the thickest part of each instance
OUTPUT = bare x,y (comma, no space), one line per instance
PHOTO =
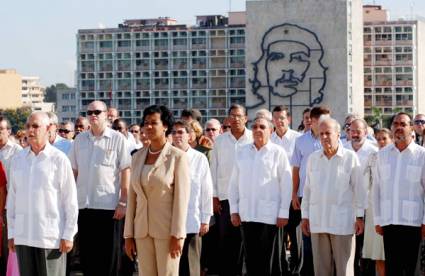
170,196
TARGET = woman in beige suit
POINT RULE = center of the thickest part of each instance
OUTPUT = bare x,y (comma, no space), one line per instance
155,222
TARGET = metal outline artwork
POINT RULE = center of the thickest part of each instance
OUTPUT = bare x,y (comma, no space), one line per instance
256,84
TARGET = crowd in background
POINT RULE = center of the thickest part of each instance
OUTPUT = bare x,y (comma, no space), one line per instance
245,196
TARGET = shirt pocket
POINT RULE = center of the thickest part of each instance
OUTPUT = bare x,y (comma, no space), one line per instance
341,217
343,180
413,173
108,158
410,210
52,227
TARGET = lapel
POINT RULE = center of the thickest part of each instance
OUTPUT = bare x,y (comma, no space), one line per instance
162,158
141,158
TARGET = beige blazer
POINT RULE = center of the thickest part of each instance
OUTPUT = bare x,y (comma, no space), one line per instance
160,208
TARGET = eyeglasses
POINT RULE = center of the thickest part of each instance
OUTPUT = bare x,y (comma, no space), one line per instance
419,122
236,116
210,129
95,112
225,127
180,132
347,125
63,130
79,126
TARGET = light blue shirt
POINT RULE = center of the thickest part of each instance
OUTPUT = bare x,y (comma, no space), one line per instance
304,146
64,145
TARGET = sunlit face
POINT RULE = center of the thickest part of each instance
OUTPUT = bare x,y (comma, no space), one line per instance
37,131
135,130
96,114
81,125
261,131
112,114
121,127
226,125
180,137
153,127
212,130
287,64
401,129
281,120
329,137
383,139
306,121
419,124
237,119
66,131
358,132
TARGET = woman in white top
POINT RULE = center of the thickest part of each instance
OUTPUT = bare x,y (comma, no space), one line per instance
373,247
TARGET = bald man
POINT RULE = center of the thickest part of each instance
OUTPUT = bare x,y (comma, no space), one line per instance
101,163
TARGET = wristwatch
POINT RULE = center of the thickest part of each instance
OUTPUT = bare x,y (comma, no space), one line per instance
123,204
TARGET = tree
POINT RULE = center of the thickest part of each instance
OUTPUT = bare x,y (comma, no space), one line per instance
17,117
50,94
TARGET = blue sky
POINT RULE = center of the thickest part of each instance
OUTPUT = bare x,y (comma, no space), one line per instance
37,37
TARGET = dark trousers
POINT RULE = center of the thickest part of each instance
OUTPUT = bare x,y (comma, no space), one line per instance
258,240
229,243
191,256
401,245
96,241
33,261
291,232
307,268
358,261
209,250
121,263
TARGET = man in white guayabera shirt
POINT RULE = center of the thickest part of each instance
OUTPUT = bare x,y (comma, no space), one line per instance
363,148
42,208
398,198
200,202
222,163
260,192
334,201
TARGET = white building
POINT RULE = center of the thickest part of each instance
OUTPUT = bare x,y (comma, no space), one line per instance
157,61
66,104
33,95
394,60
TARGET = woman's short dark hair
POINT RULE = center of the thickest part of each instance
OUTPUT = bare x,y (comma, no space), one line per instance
166,116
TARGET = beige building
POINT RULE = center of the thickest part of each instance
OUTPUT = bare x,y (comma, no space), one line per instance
394,60
10,89
33,95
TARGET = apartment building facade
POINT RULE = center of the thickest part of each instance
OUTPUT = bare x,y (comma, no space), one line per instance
66,104
394,72
33,95
157,61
